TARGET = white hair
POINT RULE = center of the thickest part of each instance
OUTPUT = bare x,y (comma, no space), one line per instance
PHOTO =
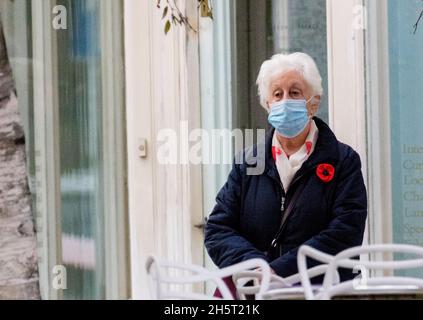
281,63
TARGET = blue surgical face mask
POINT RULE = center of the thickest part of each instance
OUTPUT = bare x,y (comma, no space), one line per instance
289,117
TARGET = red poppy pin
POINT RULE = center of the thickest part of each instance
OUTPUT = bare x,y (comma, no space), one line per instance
325,172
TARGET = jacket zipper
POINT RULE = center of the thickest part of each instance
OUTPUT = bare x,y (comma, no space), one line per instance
283,200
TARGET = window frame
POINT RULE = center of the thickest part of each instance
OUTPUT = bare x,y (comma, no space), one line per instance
378,126
48,199
46,120
347,81
116,220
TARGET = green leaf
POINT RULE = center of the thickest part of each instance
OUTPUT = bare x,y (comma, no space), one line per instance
167,27
205,9
165,11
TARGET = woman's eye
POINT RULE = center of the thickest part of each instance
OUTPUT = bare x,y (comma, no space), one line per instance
278,94
295,93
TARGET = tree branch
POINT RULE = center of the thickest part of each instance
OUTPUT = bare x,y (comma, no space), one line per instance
176,17
416,25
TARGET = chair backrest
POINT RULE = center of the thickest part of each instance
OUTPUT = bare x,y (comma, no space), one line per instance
249,283
345,259
304,273
162,283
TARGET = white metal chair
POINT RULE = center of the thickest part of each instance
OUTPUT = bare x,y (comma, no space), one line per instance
367,285
162,283
248,283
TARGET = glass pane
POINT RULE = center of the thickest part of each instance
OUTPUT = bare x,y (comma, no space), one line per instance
406,96
80,122
300,26
265,28
75,59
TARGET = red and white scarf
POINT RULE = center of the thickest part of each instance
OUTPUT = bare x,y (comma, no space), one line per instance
288,166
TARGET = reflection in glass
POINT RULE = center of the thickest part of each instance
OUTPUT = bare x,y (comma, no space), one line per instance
300,26
265,28
80,106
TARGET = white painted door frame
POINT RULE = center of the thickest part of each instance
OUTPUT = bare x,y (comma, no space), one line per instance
346,23
162,91
346,59
378,115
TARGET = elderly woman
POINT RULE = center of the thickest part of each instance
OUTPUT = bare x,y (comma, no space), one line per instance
311,191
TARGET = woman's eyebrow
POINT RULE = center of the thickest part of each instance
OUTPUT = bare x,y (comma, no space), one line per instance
296,85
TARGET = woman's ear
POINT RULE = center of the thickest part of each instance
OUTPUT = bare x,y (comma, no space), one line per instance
314,105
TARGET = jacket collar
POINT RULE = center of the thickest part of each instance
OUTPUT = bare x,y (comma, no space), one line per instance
326,150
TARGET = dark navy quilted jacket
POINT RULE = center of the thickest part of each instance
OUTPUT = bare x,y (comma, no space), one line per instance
329,216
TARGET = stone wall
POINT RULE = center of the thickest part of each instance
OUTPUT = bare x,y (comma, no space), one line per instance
18,259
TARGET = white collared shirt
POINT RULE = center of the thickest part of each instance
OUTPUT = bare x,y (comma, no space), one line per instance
288,167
